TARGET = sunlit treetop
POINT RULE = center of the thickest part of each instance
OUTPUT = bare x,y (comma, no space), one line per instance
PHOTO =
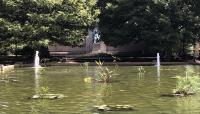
31,22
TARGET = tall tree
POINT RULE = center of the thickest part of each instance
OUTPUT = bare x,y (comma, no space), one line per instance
165,26
39,22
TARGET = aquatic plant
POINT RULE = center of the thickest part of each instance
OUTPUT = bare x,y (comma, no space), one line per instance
43,90
141,69
42,70
115,59
104,74
43,93
85,66
188,84
43,61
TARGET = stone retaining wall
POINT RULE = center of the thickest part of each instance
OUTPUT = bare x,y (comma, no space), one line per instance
4,69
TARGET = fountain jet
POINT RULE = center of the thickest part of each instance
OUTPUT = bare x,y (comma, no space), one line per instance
158,60
37,60
158,66
36,67
36,64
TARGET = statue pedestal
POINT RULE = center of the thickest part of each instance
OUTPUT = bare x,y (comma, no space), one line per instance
99,48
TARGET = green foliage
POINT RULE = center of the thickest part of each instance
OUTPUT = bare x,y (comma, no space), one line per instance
115,59
104,73
188,84
43,90
40,22
141,69
85,66
167,26
42,70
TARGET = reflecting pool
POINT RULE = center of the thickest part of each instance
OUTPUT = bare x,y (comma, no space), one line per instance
141,90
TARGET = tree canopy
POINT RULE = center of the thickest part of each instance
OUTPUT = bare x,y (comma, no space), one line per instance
164,25
39,22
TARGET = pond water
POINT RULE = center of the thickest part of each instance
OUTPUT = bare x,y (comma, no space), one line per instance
141,90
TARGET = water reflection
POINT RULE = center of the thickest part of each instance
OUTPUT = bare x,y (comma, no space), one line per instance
189,70
40,106
103,90
188,105
158,72
37,76
140,75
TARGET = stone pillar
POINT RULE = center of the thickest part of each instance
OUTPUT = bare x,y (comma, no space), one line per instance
89,42
196,50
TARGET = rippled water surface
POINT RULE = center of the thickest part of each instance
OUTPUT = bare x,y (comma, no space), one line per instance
141,90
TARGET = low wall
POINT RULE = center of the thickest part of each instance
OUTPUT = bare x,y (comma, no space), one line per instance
90,47
61,50
7,68
109,64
